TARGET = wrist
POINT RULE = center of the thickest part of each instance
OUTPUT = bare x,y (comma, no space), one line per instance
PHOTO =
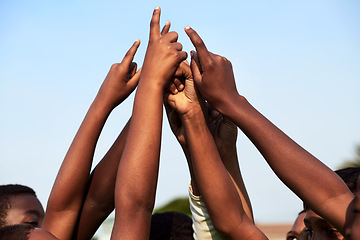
103,104
193,113
156,81
227,105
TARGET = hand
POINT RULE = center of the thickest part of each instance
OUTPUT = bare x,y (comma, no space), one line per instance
179,99
213,74
224,131
121,79
182,95
163,54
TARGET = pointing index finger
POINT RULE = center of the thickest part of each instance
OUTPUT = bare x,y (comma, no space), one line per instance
129,56
198,43
155,23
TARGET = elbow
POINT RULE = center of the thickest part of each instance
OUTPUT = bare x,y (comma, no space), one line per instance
132,201
226,226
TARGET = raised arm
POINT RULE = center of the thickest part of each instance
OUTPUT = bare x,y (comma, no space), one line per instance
138,169
224,132
222,129
214,183
99,200
305,175
67,195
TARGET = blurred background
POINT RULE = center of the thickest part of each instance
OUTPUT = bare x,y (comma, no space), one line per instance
297,62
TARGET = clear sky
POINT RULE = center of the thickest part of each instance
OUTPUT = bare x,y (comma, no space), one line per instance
297,62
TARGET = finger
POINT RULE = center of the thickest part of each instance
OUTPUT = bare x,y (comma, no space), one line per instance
183,71
154,23
173,117
198,43
176,45
173,89
129,56
171,36
179,86
182,56
166,28
166,103
195,67
133,82
132,69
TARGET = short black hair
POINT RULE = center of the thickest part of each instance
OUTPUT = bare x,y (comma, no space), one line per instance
6,192
15,232
349,176
171,226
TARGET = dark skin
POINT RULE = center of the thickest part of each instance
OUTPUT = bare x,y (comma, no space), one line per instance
222,129
297,227
296,167
353,216
67,196
138,169
230,219
319,229
99,202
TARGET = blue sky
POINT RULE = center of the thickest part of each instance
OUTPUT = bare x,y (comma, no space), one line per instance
297,62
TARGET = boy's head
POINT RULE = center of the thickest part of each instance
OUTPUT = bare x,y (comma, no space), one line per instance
171,225
349,176
15,232
353,216
297,227
19,205
317,227
24,232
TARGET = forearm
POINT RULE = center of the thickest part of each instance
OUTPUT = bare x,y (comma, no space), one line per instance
230,159
213,180
99,201
194,186
67,194
138,169
142,149
308,177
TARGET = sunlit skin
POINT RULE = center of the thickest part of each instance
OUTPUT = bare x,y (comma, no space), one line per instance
319,229
25,209
297,227
296,167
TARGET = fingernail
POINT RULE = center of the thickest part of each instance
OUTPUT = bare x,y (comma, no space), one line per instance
157,8
192,53
187,27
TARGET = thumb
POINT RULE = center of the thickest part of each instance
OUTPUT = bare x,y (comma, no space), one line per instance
134,80
195,68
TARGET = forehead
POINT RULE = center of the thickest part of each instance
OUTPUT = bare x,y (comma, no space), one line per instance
25,203
313,219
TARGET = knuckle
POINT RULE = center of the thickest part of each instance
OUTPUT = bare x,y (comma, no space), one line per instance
210,64
176,35
115,66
